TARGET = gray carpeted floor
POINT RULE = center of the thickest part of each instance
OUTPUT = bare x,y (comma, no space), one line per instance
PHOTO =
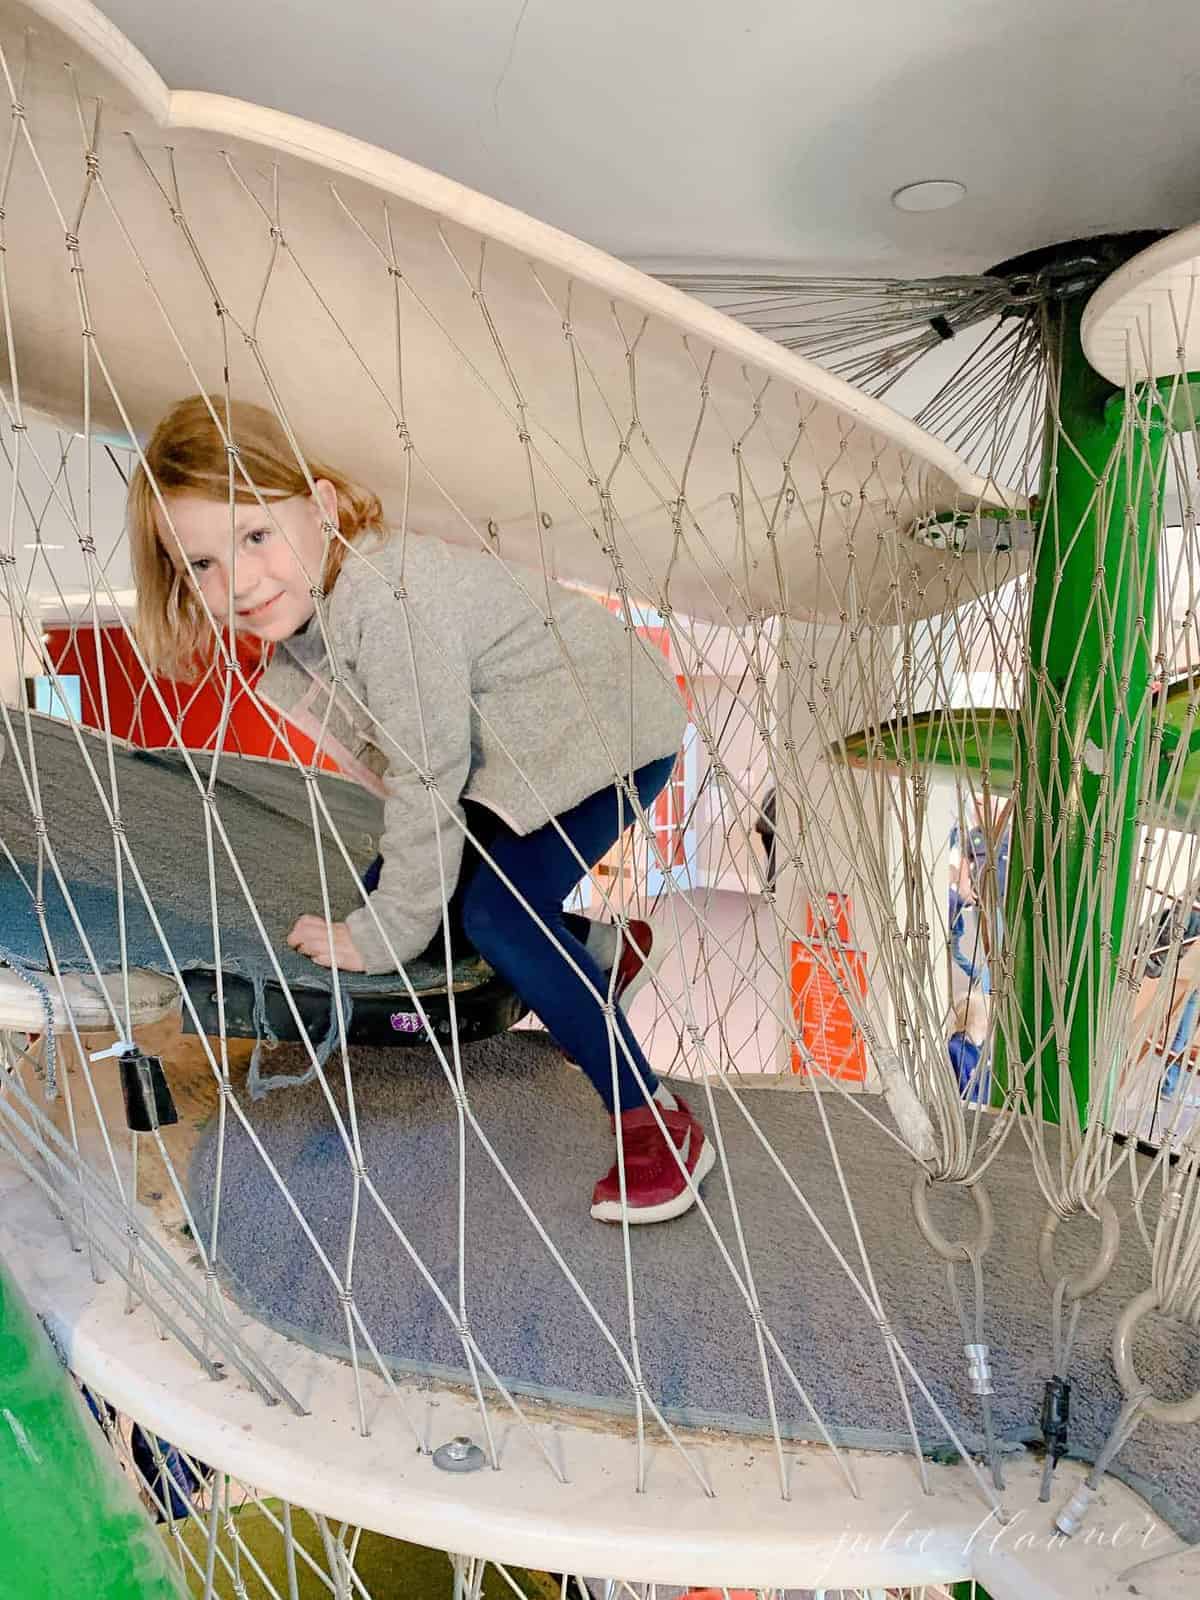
696,1341
264,809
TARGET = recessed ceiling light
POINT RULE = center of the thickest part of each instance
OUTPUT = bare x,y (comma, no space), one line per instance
932,194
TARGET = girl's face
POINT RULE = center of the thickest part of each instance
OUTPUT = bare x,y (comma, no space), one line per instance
260,577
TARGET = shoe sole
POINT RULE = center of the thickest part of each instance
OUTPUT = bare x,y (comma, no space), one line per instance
613,1211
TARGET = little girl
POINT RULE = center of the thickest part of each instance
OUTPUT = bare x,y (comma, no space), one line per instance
471,698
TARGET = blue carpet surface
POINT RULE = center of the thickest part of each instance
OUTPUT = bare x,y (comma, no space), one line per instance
264,809
696,1343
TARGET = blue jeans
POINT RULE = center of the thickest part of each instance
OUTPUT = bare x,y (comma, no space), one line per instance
543,870
960,957
1179,1044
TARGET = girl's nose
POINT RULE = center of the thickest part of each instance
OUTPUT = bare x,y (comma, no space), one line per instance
246,575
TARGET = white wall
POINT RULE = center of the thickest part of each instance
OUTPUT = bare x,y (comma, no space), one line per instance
57,489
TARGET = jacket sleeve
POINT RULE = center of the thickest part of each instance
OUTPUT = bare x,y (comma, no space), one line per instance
417,690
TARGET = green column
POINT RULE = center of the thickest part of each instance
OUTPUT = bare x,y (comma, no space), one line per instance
1083,732
70,1522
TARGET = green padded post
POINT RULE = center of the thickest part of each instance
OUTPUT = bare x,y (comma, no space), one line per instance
70,1522
1085,731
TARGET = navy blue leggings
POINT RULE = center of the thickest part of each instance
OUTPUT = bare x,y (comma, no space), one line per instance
543,870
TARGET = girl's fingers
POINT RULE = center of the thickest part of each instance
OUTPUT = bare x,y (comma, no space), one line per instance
312,937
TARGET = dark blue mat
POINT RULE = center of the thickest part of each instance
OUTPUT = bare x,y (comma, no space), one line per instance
696,1338
264,809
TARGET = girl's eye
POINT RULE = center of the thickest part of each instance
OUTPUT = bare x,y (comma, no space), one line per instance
201,566
258,535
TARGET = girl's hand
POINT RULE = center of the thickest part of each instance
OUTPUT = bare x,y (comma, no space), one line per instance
311,936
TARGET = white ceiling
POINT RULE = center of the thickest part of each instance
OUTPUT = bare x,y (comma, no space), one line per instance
741,131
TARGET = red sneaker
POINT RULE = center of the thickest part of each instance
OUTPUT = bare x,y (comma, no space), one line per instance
655,1188
636,963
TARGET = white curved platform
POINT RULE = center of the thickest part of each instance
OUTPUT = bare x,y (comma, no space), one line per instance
746,1534
586,1516
655,400
1144,321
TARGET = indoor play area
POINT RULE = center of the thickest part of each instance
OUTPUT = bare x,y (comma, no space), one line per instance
599,875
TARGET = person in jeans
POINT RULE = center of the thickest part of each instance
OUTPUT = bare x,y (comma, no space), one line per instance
472,698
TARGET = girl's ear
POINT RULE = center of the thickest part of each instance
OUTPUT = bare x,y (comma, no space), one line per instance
326,498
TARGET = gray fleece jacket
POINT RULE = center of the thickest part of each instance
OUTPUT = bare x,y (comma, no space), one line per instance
462,678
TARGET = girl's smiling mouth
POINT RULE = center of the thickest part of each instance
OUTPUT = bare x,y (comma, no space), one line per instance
255,612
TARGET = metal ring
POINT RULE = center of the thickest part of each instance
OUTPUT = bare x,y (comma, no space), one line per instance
1122,1353
1110,1240
958,1251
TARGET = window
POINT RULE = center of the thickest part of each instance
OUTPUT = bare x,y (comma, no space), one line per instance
61,697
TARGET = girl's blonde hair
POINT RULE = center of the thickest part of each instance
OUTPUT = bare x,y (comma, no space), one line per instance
187,455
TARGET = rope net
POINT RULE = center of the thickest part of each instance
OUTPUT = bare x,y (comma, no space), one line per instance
890,866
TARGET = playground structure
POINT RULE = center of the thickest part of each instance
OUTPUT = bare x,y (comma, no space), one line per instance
818,572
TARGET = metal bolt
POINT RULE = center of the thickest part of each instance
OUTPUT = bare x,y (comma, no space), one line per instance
979,1366
459,1455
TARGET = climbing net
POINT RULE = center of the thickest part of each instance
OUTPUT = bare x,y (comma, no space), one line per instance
885,702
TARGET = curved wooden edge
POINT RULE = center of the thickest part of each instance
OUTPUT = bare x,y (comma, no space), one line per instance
341,155
1127,296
